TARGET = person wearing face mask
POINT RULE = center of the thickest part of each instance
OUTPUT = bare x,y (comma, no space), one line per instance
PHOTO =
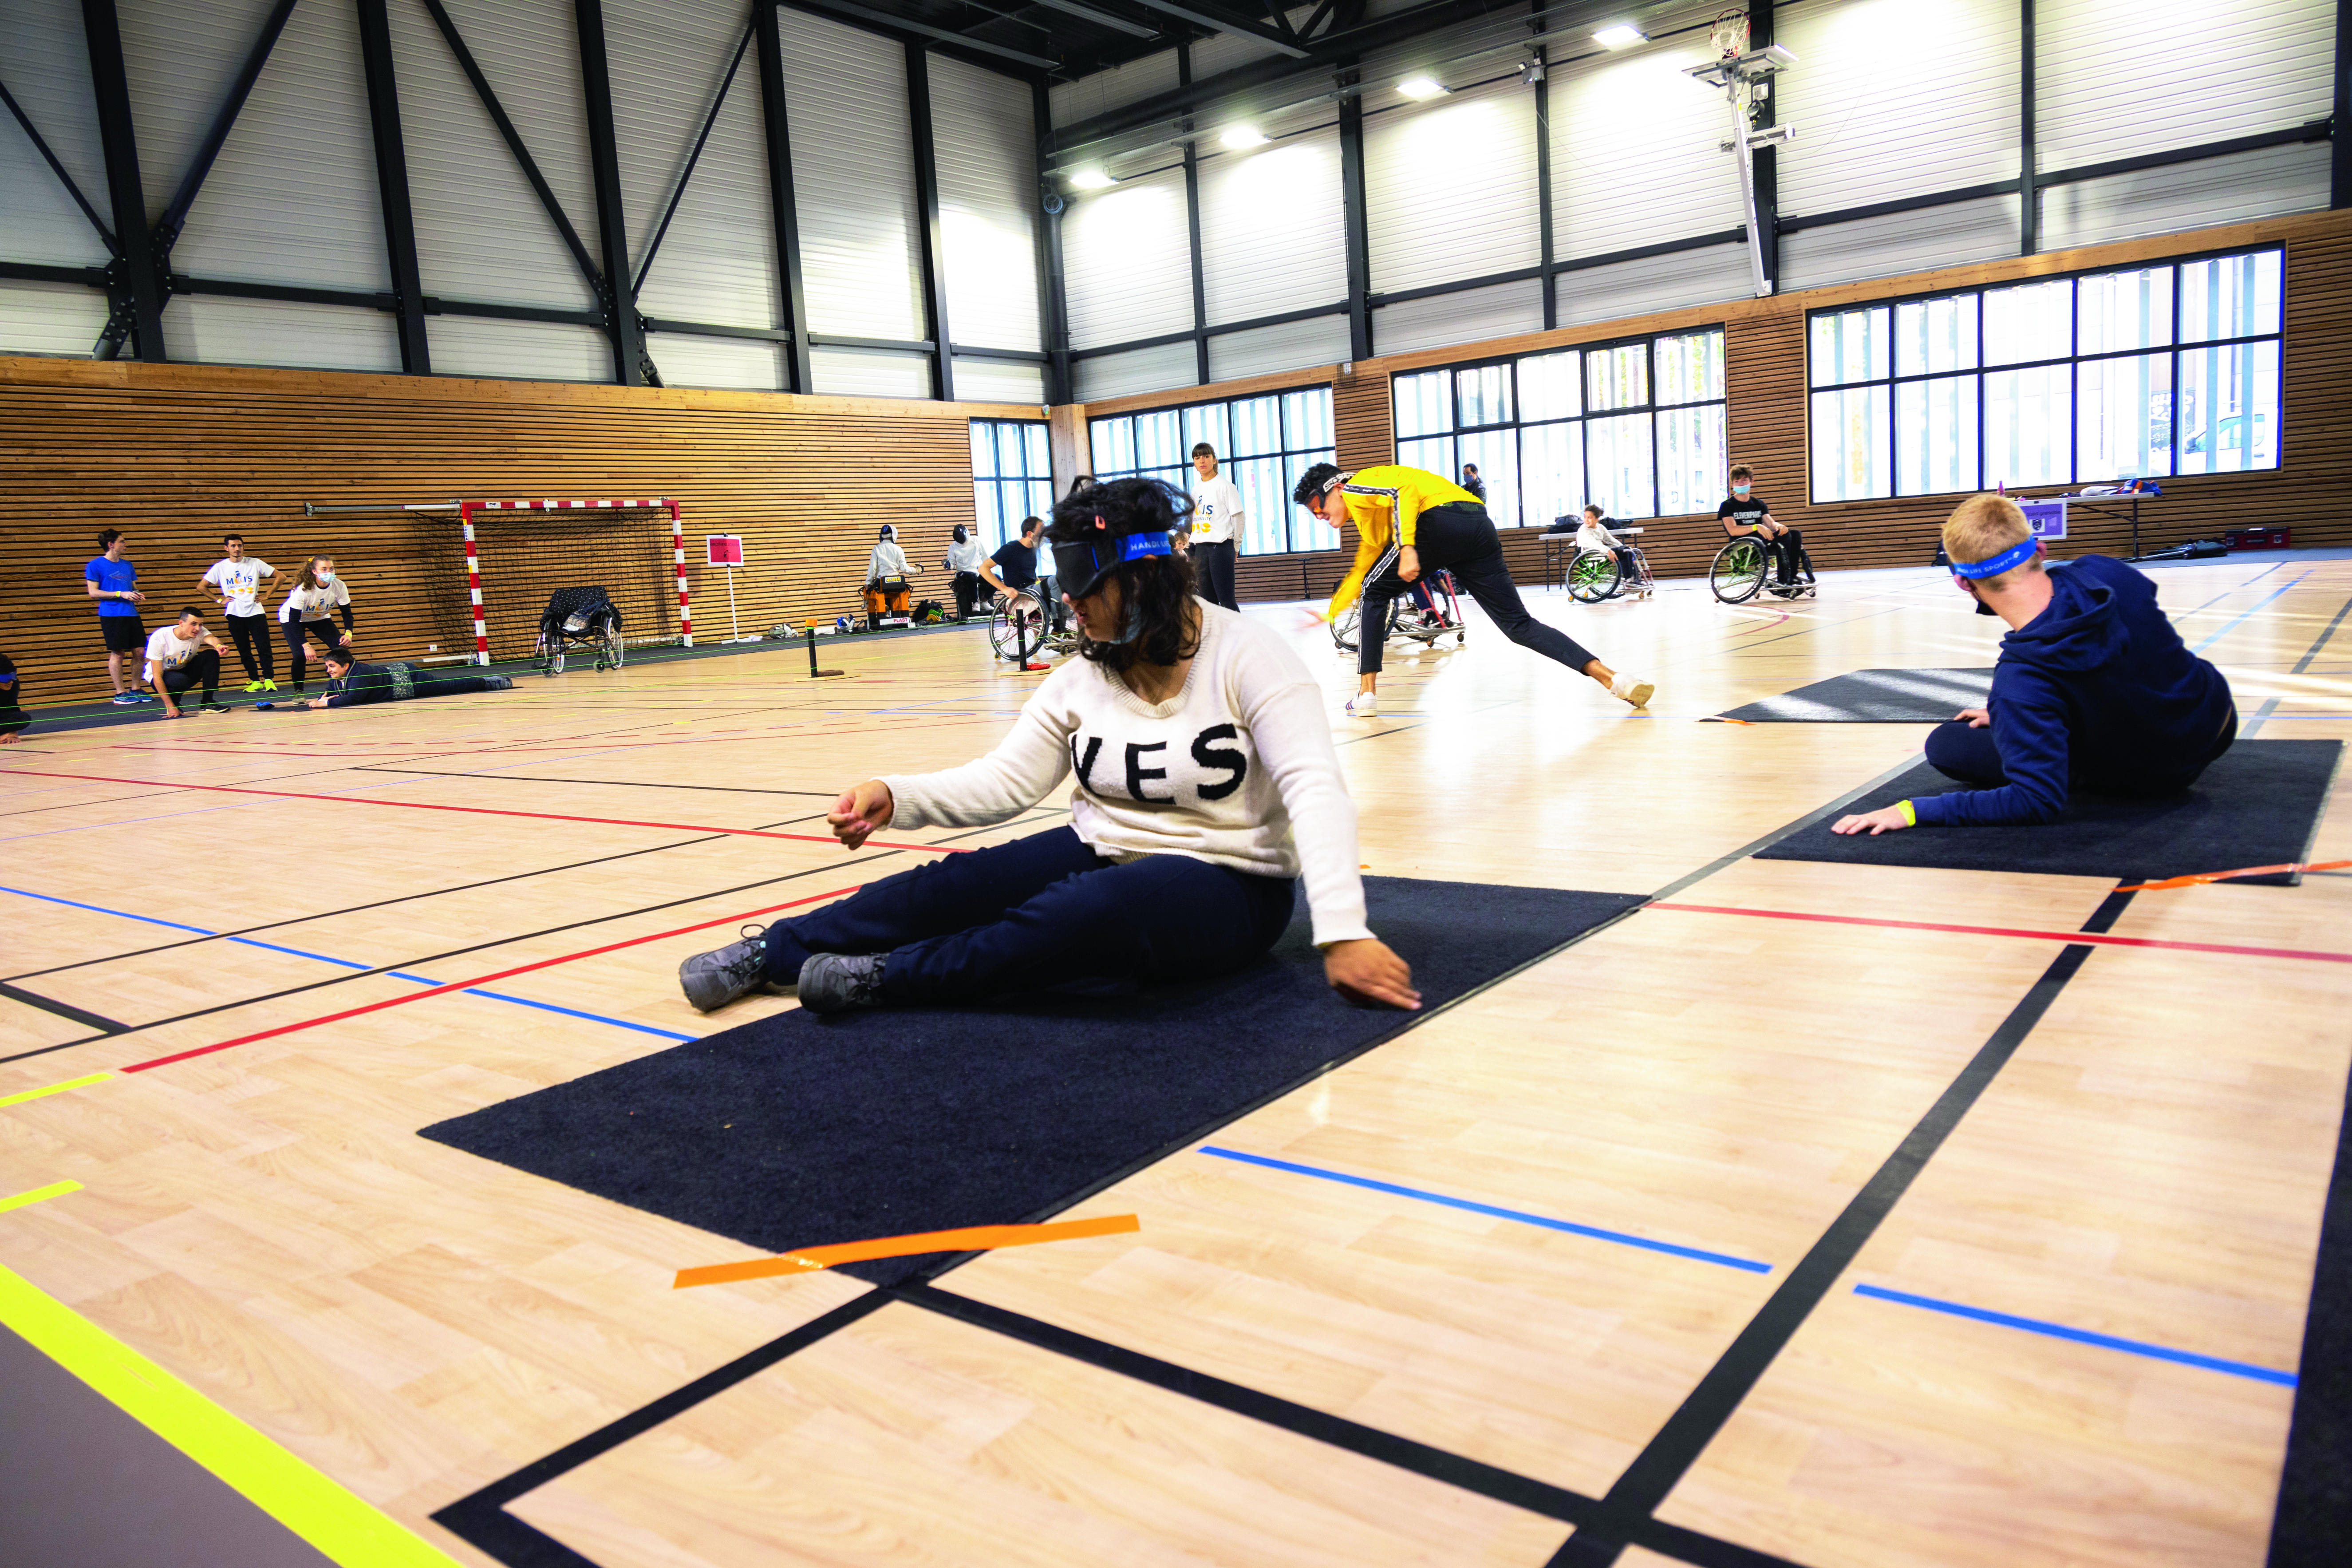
1207,788
963,558
316,594
1744,511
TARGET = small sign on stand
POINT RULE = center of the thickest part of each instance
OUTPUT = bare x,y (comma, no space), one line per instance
727,550
2046,518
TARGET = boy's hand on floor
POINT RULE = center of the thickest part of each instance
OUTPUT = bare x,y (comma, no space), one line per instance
1977,718
1886,819
859,812
1366,971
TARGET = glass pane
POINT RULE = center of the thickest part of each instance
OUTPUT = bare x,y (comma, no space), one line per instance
1496,453
1690,369
1551,386
1257,426
1621,461
1434,453
1551,471
1041,457
1041,497
1851,443
1306,419
984,511
984,452
1424,403
1306,532
2122,417
2117,311
1850,346
2235,296
2029,423
1935,435
1265,506
1158,441
1690,460
1617,378
1011,462
2230,409
2033,320
1486,394
1207,423
1113,444
1933,335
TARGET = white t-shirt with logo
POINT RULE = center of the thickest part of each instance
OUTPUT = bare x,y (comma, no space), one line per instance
314,603
240,581
167,651
1216,510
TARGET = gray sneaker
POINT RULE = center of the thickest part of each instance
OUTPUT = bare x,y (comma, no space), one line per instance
711,980
841,983
497,682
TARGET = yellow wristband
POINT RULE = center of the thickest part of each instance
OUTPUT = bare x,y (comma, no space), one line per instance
1910,817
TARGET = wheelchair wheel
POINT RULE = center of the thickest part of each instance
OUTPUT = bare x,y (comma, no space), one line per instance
608,648
1345,625
1017,628
1739,569
1592,575
547,654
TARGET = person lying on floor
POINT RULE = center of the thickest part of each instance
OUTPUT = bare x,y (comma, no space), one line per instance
2093,691
354,684
1207,787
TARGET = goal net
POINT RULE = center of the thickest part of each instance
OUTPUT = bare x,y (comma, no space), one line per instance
517,552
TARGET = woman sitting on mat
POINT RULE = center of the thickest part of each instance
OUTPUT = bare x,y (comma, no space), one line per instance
1201,748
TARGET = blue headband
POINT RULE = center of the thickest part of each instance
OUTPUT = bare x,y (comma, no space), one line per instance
2017,554
1135,546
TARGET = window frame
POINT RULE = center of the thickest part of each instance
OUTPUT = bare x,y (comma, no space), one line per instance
1284,455
982,526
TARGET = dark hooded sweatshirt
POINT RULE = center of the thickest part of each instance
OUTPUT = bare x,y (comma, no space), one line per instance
2095,693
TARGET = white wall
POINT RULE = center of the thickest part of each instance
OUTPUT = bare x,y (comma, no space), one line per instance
985,129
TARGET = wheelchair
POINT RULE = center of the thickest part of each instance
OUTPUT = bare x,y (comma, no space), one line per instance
1435,611
578,618
1596,574
1743,568
1022,624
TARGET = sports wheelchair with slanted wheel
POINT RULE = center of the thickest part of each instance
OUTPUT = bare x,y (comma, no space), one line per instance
1596,574
578,618
1022,623
1743,568
1435,612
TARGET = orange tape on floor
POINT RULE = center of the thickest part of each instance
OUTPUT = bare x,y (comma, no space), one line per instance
2225,875
972,1239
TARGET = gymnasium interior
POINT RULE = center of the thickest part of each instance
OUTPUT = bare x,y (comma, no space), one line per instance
1742,1194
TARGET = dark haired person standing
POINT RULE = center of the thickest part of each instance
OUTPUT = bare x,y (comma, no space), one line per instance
114,582
185,657
1207,787
235,580
1216,513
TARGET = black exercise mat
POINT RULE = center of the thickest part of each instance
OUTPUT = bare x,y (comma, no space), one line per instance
795,1132
2258,805
1875,697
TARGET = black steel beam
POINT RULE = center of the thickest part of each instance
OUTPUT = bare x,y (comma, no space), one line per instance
896,345
783,212
1281,318
1015,356
1359,228
2029,193
630,367
1767,167
1802,222
1054,304
41,145
175,212
1193,232
701,139
392,186
1543,180
1100,19
930,252
2339,164
42,272
138,294
899,27
716,330
1221,21
290,293
2314,130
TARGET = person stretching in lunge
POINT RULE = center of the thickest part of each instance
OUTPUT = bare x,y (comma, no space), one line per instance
2094,690
1744,511
1207,786
182,657
1408,522
235,581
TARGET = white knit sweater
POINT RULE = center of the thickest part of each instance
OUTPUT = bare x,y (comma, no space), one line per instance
1236,769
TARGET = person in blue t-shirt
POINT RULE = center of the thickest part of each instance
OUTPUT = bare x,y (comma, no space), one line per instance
114,583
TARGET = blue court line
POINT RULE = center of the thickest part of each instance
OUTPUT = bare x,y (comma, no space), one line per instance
2231,625
348,963
1594,1232
2081,1336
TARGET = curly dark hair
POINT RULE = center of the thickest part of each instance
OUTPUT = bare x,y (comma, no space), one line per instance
1155,591
1310,483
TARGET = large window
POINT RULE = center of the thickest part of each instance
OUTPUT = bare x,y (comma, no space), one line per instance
2139,373
1634,427
1012,477
1263,445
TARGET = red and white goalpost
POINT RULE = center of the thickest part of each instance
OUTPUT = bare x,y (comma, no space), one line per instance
467,508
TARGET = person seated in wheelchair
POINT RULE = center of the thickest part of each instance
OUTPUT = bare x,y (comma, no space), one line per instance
1594,535
1744,511
1433,597
886,581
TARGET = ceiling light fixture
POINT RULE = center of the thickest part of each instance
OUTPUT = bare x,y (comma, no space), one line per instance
1239,137
1091,178
1620,35
1421,88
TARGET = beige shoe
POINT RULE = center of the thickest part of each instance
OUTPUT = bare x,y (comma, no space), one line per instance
1636,693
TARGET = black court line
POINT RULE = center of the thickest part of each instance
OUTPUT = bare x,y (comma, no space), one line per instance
2271,705
104,1026
1669,1455
614,784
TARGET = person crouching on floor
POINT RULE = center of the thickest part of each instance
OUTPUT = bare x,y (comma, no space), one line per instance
2093,691
1207,787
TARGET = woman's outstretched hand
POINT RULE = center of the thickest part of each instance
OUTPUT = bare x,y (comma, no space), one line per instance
1365,971
860,810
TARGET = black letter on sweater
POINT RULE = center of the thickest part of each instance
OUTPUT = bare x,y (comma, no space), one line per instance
1085,766
1230,759
1136,774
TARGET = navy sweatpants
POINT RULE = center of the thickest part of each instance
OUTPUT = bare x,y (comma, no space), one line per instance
1960,751
1041,911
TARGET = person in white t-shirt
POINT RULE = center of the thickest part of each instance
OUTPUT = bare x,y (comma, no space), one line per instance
184,657
235,580
318,592
1594,535
1216,515
1207,788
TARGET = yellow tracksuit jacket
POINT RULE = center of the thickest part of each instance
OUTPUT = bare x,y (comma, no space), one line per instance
1384,503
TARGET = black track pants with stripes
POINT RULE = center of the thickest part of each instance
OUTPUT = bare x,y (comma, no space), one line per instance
1461,539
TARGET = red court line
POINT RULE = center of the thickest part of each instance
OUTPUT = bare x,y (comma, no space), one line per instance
492,811
2092,937
478,980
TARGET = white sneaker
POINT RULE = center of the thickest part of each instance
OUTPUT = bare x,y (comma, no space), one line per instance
1636,693
1363,705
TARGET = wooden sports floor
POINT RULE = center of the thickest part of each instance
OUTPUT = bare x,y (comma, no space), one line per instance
349,926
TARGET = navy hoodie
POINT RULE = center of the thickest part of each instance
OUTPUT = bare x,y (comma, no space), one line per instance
2097,692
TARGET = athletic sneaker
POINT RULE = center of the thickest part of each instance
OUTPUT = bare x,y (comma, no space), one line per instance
213,708
497,682
1363,705
841,983
253,686
1636,693
711,980
267,686
127,700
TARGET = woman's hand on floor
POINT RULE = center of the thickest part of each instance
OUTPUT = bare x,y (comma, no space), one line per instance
1366,971
860,810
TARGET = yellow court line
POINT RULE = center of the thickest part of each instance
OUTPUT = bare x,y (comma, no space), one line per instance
84,1082
39,1194
339,1523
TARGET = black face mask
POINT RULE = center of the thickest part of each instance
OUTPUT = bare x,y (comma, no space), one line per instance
1078,568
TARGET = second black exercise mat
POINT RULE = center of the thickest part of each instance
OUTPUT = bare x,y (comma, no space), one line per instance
2257,805
1875,697
795,1132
